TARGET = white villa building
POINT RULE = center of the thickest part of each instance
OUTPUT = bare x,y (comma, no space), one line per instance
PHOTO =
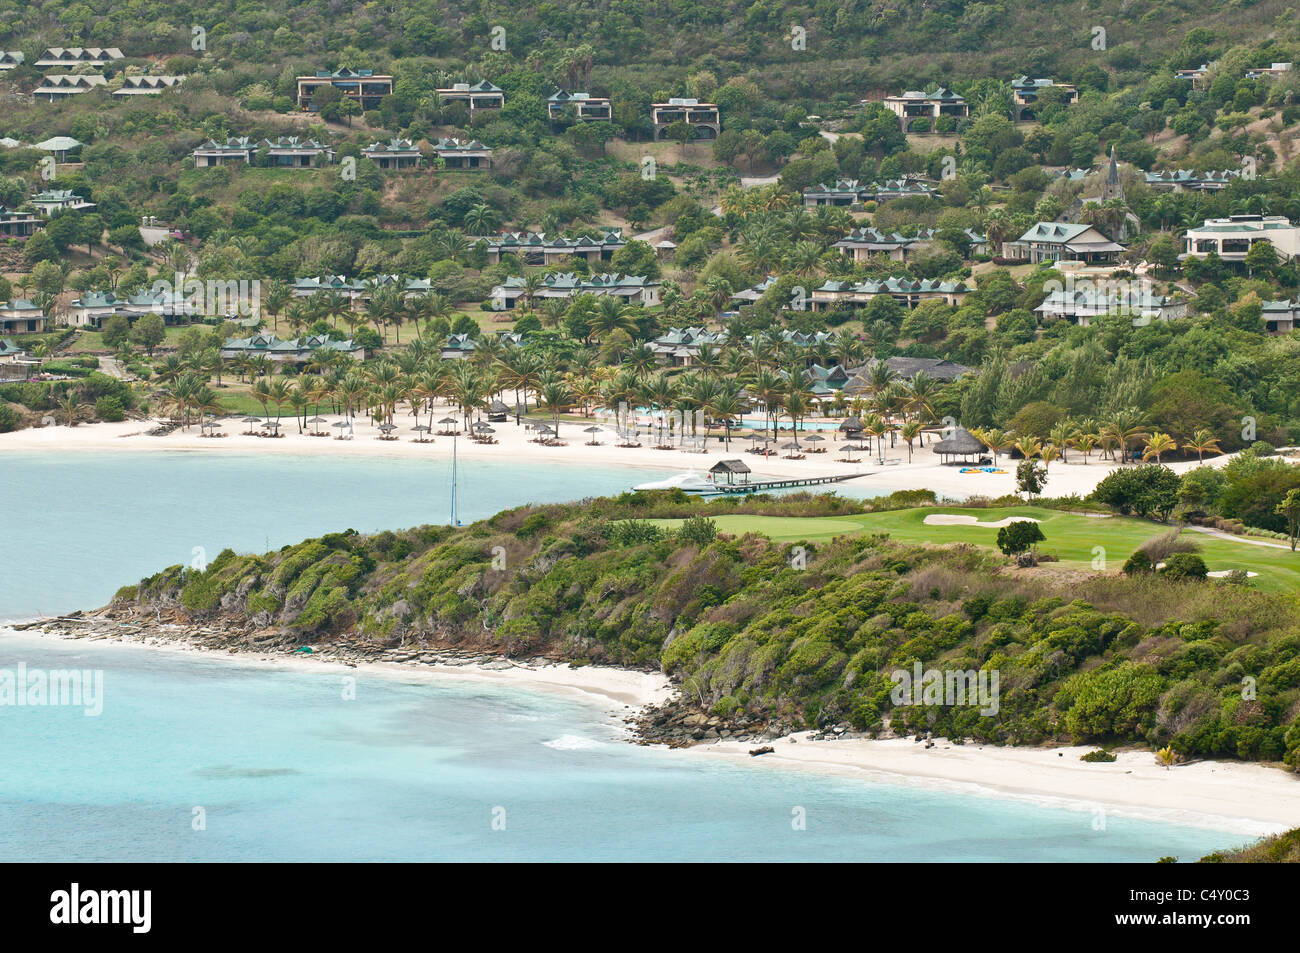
1230,238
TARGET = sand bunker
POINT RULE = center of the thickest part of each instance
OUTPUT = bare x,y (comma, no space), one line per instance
956,519
1221,573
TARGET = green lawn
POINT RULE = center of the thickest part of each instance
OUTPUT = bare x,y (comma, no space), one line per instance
1071,537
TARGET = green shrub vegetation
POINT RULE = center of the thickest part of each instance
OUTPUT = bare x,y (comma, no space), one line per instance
1110,659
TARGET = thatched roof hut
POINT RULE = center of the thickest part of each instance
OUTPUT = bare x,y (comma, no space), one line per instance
961,443
731,469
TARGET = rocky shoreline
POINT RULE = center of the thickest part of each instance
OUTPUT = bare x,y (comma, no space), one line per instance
675,723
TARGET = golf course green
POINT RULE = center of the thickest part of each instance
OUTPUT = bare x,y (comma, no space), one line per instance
1071,537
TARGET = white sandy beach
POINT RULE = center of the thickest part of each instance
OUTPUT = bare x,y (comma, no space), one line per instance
1248,799
924,472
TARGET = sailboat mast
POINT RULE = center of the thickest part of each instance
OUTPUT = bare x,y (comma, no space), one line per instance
453,481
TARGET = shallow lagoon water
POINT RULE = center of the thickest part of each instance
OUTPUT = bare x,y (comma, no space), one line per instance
280,767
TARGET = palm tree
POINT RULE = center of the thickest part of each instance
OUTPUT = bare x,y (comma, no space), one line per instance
299,400
1203,442
480,219
1063,437
70,406
727,405
997,441
909,432
278,294
1085,442
1158,443
1029,447
555,396
768,387
468,385
1124,427
277,392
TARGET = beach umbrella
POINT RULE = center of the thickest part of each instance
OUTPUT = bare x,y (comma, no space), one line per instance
387,427
273,424
341,423
420,428
790,446
813,438
316,420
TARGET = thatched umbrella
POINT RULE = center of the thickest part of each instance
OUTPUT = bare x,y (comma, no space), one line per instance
851,425
593,430
792,447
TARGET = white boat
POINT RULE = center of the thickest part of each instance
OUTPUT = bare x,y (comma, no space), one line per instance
691,482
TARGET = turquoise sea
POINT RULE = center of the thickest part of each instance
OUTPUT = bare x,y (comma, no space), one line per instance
277,765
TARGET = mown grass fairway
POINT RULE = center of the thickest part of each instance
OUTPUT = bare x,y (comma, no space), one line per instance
1070,536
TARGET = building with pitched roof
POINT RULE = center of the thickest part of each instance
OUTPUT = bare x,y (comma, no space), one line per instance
480,96
1025,92
213,153
21,316
71,57
359,291
852,193
538,248
292,152
463,154
394,154
291,351
862,243
1185,180
909,292
11,59
15,224
1280,317
915,105
52,201
1062,241
146,85
583,107
57,86
632,289
1080,305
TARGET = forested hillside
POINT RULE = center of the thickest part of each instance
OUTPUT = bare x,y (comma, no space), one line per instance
796,635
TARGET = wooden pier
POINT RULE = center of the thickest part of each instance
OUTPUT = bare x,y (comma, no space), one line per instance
760,486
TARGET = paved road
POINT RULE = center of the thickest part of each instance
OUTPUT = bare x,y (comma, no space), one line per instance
1208,531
